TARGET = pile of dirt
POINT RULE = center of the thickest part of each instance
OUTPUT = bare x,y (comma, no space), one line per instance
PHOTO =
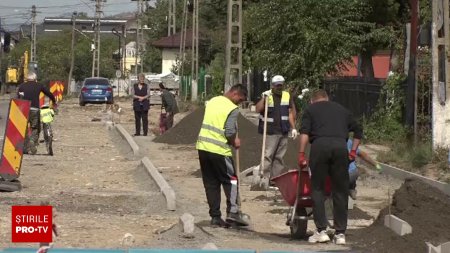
186,132
424,207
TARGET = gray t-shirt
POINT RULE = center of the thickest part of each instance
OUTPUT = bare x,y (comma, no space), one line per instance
230,124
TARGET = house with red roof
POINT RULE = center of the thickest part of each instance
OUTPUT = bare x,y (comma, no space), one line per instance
170,47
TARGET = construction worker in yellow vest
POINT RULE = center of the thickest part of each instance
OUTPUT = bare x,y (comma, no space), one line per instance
281,115
217,137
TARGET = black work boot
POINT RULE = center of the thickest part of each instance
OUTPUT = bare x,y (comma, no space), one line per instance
237,219
218,221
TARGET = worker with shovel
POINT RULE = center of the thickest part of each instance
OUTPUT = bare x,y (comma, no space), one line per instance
217,137
276,120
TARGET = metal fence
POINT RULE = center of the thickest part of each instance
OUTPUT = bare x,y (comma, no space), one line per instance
359,97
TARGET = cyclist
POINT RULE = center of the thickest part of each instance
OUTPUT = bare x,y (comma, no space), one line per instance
47,114
30,90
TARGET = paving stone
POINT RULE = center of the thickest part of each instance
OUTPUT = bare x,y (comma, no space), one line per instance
187,222
210,246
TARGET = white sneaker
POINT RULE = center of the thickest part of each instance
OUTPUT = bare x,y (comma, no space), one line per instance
339,239
319,237
352,194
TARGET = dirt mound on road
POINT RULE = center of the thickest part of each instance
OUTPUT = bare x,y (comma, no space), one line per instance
186,132
425,208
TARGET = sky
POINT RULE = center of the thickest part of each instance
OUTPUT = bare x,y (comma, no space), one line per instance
14,13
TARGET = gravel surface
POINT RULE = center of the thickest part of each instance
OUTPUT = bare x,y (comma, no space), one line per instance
100,192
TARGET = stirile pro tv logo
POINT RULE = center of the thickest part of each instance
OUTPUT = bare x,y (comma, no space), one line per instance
32,224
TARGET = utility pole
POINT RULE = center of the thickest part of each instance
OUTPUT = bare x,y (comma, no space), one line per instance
172,26
440,53
140,46
33,35
72,52
194,66
233,72
182,55
96,51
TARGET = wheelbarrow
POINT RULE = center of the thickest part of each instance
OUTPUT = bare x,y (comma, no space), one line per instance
162,122
295,188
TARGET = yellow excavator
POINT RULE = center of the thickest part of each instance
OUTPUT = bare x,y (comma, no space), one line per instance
16,75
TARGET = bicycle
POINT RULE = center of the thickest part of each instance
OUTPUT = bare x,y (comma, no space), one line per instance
47,114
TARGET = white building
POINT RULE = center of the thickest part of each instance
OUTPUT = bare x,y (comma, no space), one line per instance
170,47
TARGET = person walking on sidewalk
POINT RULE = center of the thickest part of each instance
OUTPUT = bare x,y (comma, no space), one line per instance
280,120
217,136
170,105
326,125
30,90
141,105
353,169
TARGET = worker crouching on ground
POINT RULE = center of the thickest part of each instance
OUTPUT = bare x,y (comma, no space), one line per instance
217,136
281,115
353,171
30,90
326,125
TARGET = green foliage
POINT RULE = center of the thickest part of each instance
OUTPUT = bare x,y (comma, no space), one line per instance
440,157
217,72
152,60
383,14
304,40
156,18
421,155
386,123
53,56
408,155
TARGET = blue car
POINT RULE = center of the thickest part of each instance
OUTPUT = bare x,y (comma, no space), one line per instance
96,90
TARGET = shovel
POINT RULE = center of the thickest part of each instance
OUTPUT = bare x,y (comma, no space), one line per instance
245,217
259,182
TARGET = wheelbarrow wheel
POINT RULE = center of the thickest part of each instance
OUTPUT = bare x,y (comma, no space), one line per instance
299,226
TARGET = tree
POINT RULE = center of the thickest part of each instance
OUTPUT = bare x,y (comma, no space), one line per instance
384,16
304,40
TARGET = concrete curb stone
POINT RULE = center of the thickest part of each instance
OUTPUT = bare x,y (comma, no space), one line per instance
397,225
165,188
134,146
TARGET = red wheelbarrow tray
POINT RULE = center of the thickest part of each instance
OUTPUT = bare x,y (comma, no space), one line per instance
287,184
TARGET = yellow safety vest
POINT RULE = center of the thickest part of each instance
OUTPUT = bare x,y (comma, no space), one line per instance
47,115
212,134
284,113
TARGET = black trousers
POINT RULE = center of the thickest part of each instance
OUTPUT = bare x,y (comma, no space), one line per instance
138,116
218,170
329,157
34,119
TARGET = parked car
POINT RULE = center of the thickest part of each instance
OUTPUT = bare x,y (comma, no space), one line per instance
96,90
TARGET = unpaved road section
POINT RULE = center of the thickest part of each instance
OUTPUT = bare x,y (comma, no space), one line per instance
98,191
179,165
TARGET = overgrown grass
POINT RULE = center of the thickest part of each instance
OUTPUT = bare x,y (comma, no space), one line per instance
407,155
418,158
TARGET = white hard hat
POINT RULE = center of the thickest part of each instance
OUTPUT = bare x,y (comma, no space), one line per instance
277,80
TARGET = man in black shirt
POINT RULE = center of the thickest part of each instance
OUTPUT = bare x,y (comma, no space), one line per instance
30,90
326,125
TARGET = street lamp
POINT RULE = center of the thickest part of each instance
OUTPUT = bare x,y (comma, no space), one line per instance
119,72
115,32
